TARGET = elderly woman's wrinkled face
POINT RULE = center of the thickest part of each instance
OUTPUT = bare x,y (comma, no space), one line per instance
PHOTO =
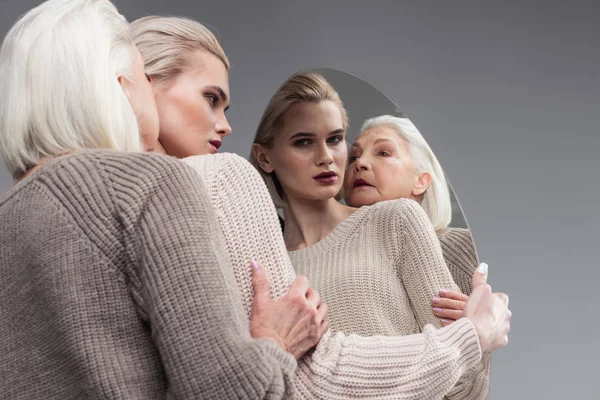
380,167
139,92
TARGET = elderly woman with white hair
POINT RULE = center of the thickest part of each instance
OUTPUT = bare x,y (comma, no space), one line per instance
115,281
391,160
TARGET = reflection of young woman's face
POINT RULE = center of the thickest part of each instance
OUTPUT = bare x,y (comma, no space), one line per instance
309,152
380,167
192,107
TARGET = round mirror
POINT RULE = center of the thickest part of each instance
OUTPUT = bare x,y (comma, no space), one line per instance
363,102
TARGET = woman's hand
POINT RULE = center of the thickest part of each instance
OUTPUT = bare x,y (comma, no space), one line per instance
449,306
488,312
295,322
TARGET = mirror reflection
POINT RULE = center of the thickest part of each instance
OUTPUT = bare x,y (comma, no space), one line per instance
396,162
365,206
334,151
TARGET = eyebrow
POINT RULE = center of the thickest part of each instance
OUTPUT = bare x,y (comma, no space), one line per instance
357,145
383,140
222,94
311,134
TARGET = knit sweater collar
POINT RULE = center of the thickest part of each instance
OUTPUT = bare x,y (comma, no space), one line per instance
339,234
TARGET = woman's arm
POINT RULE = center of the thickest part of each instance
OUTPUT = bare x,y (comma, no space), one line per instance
422,366
423,272
185,289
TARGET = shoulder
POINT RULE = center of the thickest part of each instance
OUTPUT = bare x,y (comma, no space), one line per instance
455,235
224,168
134,166
399,211
216,161
129,177
457,242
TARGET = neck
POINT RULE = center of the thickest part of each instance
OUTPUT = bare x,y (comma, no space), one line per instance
309,221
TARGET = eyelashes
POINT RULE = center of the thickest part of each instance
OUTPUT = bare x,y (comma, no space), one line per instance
335,140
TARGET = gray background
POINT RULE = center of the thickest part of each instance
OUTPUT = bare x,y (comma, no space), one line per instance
508,93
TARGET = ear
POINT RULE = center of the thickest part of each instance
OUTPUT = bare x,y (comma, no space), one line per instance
261,155
423,183
124,84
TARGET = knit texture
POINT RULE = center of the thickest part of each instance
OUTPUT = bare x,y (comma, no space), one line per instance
378,271
116,285
424,365
460,256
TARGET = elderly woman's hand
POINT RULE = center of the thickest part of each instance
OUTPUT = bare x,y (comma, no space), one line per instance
449,306
296,321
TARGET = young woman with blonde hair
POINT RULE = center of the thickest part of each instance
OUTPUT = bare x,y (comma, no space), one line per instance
341,365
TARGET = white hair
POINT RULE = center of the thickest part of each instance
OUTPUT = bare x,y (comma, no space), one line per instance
436,199
59,65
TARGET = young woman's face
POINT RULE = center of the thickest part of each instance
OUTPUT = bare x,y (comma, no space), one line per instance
191,107
309,152
380,167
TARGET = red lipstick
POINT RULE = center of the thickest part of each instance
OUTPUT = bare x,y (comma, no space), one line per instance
327,177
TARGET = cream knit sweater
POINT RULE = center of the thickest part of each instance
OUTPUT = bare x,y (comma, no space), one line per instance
378,271
427,365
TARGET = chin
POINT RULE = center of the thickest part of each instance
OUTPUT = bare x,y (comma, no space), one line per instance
324,194
359,200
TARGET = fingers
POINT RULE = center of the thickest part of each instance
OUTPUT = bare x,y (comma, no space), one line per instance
300,284
451,294
321,314
447,303
322,311
313,297
446,322
480,275
260,284
447,314
448,309
324,327
504,297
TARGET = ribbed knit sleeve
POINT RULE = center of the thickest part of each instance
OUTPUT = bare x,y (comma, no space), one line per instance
419,258
424,273
420,366
460,255
184,285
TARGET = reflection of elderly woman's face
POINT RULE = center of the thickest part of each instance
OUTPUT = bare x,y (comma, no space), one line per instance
380,167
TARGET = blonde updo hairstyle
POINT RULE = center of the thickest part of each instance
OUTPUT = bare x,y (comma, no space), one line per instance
167,42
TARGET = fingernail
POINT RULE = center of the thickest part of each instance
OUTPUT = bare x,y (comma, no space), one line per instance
444,321
436,300
255,266
442,292
483,268
437,310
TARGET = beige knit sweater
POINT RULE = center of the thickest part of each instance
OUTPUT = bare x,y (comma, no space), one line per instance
115,285
460,256
421,366
378,271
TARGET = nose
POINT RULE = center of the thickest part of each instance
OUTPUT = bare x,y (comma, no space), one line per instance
324,156
222,127
361,164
